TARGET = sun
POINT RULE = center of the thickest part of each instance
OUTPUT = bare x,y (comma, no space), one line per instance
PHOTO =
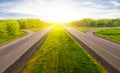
59,15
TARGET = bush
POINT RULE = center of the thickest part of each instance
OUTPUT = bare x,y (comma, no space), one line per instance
3,31
12,27
9,28
30,23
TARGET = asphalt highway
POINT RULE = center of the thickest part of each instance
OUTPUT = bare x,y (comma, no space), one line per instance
12,51
106,49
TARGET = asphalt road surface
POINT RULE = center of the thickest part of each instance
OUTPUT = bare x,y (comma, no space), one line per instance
108,50
12,51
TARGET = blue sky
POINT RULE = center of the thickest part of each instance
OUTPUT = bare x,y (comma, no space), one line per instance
59,10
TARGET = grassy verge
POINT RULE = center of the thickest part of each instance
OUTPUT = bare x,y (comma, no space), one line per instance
37,29
111,34
85,29
10,38
60,53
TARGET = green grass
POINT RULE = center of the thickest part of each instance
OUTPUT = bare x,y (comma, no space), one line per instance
10,38
60,53
36,29
39,28
111,34
85,29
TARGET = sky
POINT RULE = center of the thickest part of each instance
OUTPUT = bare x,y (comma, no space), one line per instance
59,10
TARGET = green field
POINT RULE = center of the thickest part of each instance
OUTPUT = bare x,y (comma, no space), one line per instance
111,34
36,29
85,29
60,53
39,28
7,39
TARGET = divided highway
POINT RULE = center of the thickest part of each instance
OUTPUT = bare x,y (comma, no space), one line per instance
12,51
108,50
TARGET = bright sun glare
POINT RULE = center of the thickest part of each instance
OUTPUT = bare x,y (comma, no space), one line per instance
59,15
59,11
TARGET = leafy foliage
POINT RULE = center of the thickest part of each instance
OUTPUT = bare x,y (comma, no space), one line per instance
96,23
10,28
3,31
30,23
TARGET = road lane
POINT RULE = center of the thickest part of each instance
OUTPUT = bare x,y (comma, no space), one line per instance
12,51
108,50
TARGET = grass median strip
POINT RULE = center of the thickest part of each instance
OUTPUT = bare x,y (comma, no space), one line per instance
60,53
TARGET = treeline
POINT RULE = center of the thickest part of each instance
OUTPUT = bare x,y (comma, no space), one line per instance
9,28
13,27
30,23
96,23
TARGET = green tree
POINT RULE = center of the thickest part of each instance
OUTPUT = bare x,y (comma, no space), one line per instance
3,32
87,22
115,23
12,27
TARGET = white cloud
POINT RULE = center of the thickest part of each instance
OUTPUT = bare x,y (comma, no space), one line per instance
115,3
60,10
